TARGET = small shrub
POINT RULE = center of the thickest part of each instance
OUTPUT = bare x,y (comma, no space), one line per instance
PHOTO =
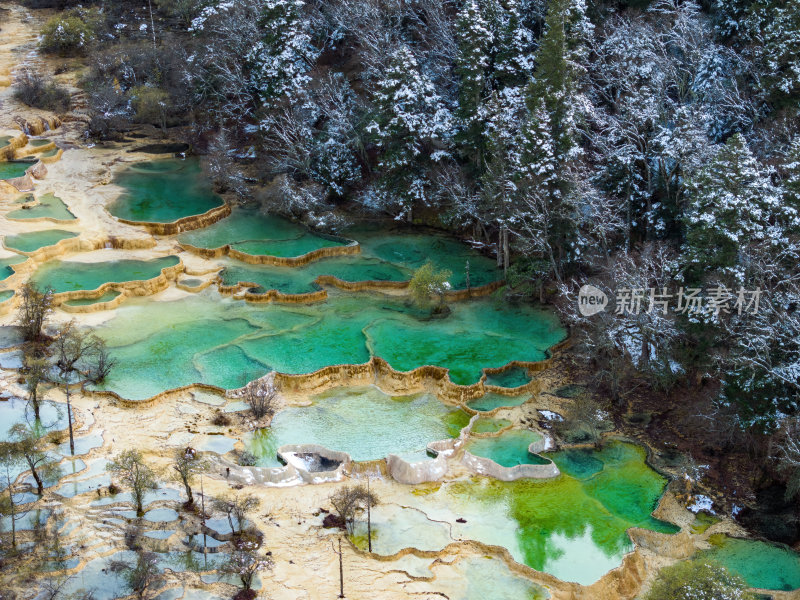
428,287
692,579
71,33
113,489
34,90
150,104
247,459
221,419
56,437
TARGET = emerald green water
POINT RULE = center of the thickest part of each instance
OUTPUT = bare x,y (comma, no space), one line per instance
255,233
410,249
5,295
362,421
221,341
490,401
28,242
11,170
572,528
489,425
162,191
107,297
385,256
66,276
511,378
300,280
761,565
5,265
49,206
38,143
49,153
509,449
4,140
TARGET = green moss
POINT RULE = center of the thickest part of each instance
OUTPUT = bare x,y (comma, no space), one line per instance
702,522
489,425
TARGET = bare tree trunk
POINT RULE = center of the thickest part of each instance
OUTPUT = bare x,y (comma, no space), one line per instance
341,567
506,251
203,518
369,519
69,419
13,515
152,23
36,478
189,495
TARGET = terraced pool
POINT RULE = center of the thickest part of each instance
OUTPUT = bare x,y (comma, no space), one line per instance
211,339
338,420
162,191
67,276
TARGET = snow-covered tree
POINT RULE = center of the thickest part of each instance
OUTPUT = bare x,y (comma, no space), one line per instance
731,206
791,185
254,54
279,62
553,83
411,127
513,44
548,144
475,41
777,39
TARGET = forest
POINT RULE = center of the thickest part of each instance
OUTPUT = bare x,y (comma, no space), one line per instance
647,148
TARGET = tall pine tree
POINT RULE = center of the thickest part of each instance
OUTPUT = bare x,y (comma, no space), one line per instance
731,206
411,128
475,40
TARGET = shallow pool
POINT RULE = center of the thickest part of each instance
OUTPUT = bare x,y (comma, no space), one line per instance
508,449
48,206
66,276
107,297
490,401
5,265
14,169
162,191
390,257
511,378
255,233
362,421
572,528
221,341
300,280
411,248
16,410
761,565
29,242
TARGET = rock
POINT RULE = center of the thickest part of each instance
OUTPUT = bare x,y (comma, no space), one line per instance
38,171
